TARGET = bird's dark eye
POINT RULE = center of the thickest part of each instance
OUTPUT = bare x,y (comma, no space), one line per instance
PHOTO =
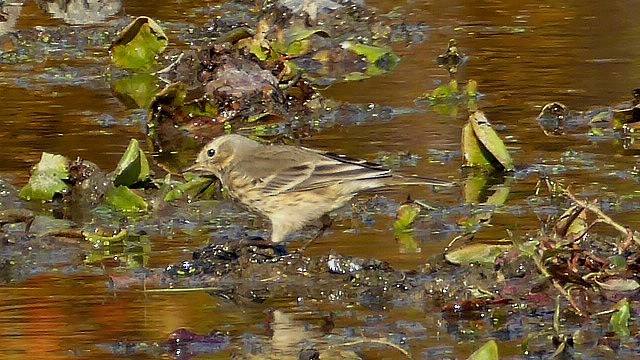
211,152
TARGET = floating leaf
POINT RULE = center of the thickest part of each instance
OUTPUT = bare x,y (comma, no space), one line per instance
445,91
125,199
407,214
139,44
133,167
477,253
620,320
619,284
47,178
380,60
488,351
488,148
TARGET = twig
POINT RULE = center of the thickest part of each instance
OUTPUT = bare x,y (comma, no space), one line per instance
603,217
170,66
375,341
178,290
567,295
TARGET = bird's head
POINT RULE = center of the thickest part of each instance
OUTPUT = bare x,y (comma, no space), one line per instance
220,152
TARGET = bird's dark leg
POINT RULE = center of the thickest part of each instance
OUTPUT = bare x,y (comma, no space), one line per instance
278,248
326,223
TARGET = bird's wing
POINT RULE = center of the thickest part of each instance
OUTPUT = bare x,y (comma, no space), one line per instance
300,169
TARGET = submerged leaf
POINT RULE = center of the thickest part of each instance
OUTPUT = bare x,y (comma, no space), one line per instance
476,253
125,199
139,44
98,238
133,167
488,351
47,178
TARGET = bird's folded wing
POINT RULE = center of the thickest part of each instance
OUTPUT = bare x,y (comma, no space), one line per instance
318,173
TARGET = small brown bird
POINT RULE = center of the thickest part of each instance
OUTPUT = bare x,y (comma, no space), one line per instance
291,185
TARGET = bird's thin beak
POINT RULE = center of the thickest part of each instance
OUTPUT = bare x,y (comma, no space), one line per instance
196,167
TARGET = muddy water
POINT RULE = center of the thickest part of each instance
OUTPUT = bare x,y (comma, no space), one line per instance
523,54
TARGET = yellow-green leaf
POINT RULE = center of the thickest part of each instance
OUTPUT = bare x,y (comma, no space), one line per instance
380,59
139,44
474,153
477,253
488,351
491,143
47,178
407,214
125,199
133,167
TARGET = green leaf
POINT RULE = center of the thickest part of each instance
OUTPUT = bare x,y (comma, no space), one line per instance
370,53
125,199
474,153
381,60
620,320
488,351
491,148
477,253
297,42
133,167
193,187
445,91
139,44
47,178
407,214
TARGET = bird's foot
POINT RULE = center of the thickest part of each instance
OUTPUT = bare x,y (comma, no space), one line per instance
278,248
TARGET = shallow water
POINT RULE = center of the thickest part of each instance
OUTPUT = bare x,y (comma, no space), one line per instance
523,54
